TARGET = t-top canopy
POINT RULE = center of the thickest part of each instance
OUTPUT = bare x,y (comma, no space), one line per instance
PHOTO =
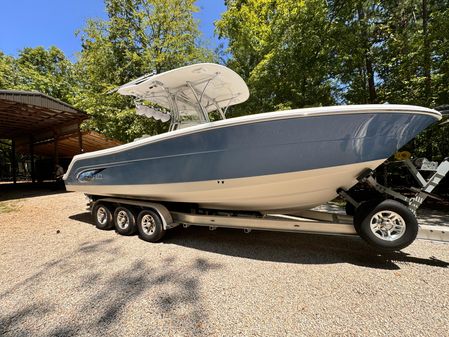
212,85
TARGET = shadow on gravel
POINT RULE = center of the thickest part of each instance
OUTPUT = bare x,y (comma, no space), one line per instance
293,248
9,323
104,293
83,217
287,247
29,190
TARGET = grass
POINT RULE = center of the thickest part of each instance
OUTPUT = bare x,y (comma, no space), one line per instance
7,207
339,202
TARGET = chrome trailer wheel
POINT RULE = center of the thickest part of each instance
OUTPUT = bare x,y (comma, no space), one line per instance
125,221
389,225
149,225
102,216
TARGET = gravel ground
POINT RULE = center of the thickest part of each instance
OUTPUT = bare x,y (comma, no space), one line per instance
60,276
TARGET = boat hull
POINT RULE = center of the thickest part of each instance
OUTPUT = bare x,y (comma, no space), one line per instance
277,162
277,192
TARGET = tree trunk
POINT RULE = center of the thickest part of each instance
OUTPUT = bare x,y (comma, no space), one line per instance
371,83
426,54
368,60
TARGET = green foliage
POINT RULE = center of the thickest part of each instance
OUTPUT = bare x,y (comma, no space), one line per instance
139,36
5,158
47,71
356,39
282,54
7,71
295,54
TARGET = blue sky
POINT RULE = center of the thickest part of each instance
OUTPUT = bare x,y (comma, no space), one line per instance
32,23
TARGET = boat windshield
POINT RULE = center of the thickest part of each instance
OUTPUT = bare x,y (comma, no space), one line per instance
187,116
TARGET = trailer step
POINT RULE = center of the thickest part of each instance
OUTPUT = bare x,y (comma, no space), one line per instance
434,233
272,223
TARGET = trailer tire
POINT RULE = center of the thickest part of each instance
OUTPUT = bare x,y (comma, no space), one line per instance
149,226
350,209
125,221
362,211
389,226
102,215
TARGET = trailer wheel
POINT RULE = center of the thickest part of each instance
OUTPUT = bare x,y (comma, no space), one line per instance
388,226
149,225
125,221
102,216
361,212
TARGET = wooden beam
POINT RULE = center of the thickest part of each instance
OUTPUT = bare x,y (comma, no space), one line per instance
10,130
22,119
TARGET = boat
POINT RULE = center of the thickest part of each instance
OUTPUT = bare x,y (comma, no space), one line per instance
278,161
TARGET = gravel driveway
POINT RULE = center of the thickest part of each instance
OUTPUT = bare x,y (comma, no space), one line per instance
60,276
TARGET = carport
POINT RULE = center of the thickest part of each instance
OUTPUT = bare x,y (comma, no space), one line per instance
35,124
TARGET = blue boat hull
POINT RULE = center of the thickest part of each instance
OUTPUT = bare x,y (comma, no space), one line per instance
249,151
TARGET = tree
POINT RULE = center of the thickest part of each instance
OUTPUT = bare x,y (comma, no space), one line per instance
138,37
357,40
282,49
7,72
47,71
439,45
303,53
413,64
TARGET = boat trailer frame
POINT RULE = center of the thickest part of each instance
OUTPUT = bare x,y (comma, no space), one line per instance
421,194
438,233
306,221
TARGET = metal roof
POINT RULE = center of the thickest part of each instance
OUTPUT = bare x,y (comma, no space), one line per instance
25,113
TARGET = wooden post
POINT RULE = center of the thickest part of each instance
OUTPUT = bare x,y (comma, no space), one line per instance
14,161
80,138
33,173
56,154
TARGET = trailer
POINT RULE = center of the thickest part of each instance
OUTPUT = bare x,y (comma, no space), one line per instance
387,223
